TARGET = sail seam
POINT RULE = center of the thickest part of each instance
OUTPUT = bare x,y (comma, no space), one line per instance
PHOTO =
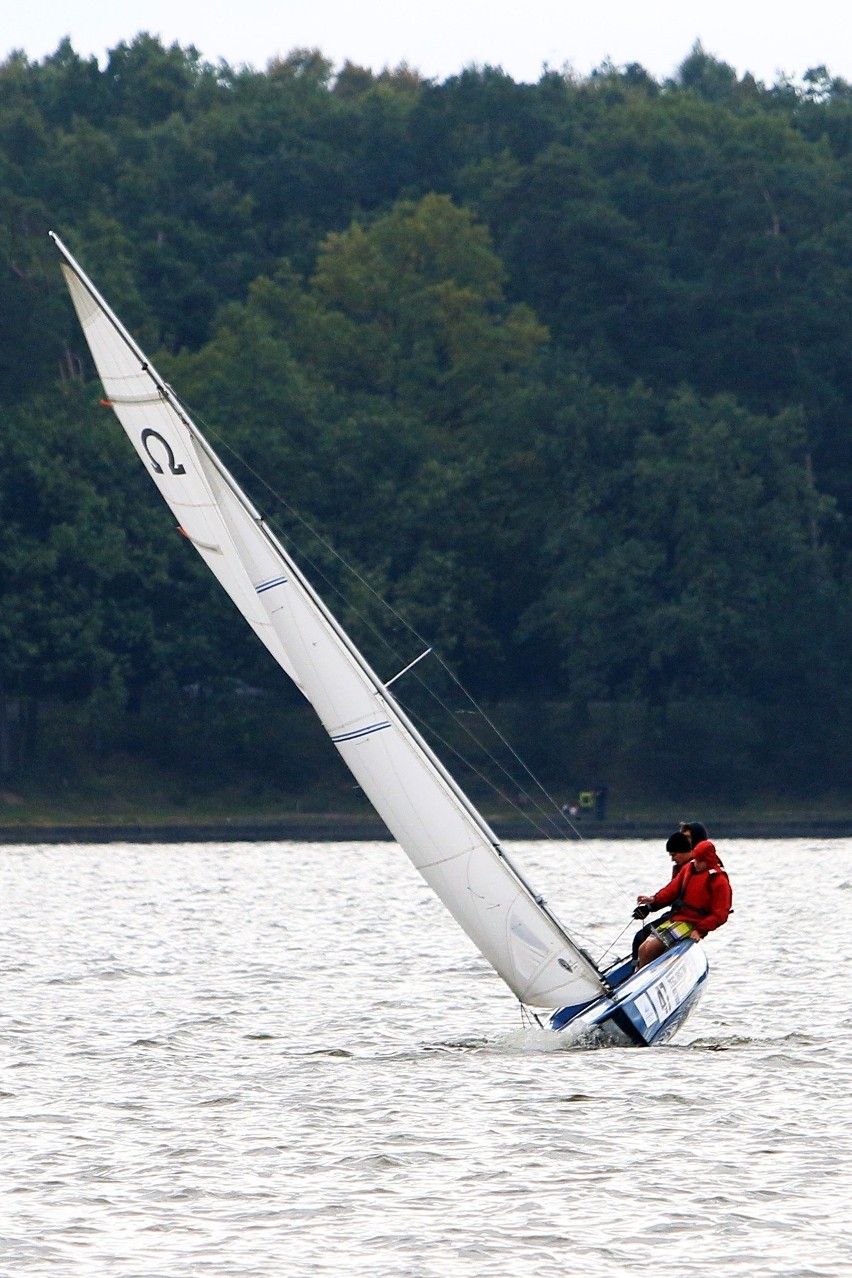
360,732
136,399
269,585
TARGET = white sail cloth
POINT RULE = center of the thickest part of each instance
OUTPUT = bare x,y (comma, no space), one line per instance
432,820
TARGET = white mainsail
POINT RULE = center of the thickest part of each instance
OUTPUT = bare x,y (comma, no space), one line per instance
444,836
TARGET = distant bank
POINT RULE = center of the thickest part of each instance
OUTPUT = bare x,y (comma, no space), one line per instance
347,829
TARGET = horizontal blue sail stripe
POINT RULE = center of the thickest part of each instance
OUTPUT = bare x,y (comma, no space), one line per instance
361,732
269,585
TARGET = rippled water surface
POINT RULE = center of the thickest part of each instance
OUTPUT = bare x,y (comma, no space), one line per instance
264,1059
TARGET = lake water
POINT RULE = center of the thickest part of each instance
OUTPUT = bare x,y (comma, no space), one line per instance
285,1059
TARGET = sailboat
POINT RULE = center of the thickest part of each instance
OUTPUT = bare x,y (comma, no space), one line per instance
428,814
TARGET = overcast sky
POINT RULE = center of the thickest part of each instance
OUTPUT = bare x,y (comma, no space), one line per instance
440,37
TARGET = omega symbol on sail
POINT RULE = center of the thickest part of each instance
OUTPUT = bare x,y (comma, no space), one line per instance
174,467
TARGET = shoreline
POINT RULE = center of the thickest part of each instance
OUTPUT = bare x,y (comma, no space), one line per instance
343,829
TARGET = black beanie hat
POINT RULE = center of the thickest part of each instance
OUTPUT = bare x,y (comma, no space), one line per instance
678,842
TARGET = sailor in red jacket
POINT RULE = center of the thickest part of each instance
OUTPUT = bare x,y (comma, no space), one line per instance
700,900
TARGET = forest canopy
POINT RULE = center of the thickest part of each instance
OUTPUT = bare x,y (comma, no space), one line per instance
560,369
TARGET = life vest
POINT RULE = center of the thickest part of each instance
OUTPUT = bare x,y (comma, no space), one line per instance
695,897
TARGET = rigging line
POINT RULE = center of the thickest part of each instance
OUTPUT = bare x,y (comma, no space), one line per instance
474,771
410,666
614,941
485,749
305,556
525,767
558,822
528,1016
291,510
555,830
557,825
552,828
498,734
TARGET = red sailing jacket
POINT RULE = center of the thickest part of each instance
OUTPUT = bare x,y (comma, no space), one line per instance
703,896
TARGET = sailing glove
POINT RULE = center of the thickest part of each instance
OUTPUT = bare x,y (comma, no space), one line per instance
641,911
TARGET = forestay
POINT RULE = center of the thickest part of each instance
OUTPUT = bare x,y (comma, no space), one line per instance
447,840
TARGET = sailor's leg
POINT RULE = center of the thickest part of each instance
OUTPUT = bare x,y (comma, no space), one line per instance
650,949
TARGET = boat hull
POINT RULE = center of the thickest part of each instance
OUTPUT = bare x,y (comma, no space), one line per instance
646,1007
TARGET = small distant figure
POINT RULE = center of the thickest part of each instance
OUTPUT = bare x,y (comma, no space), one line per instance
570,811
601,798
586,800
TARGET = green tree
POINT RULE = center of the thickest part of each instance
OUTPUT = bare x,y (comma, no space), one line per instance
693,566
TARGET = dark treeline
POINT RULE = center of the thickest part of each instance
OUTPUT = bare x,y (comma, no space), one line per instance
562,369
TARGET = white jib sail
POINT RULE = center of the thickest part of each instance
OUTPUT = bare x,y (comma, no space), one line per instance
444,836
